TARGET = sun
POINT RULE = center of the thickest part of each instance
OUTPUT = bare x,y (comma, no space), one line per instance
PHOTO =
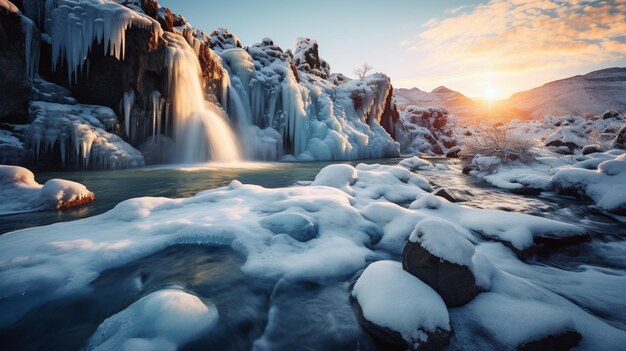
490,93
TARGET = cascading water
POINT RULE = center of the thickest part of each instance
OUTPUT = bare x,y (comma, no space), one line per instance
201,132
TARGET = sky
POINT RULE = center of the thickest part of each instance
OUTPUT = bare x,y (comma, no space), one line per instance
479,48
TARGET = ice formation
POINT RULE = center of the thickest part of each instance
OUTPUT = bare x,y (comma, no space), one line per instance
74,26
127,105
315,118
201,132
157,104
163,320
77,133
21,193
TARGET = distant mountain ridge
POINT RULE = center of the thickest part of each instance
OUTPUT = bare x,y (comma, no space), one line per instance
593,93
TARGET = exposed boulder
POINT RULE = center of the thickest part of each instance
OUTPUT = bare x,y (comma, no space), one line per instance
610,114
590,149
442,258
400,311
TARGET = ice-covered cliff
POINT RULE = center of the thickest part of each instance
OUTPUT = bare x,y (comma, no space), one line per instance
178,93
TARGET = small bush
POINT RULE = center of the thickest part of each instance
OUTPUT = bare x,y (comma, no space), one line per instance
498,141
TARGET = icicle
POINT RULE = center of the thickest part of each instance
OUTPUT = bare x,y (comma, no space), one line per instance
74,25
156,101
127,102
32,47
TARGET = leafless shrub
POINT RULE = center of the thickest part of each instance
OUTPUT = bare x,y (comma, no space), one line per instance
499,141
362,70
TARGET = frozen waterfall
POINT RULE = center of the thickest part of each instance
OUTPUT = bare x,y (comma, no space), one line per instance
201,132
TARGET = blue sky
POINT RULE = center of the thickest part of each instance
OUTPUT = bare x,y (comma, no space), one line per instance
470,46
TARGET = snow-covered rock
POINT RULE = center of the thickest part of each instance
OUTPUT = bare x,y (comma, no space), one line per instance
442,258
606,186
400,309
21,193
163,320
428,131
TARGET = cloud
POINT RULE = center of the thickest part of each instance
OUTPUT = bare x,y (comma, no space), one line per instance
522,35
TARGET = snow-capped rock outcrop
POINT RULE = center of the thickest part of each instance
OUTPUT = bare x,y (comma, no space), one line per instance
21,193
427,131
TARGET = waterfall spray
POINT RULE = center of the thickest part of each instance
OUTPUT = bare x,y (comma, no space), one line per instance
201,132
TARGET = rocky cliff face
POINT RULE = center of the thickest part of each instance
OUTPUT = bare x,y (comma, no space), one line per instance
15,84
279,102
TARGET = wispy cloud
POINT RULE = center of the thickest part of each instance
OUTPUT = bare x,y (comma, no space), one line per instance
521,36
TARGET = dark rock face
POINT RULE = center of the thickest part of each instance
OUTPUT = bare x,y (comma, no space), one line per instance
563,148
390,115
620,139
108,79
453,282
150,7
211,69
307,58
610,114
388,339
559,342
15,84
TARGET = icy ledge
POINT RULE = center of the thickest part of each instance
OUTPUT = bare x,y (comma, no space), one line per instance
21,193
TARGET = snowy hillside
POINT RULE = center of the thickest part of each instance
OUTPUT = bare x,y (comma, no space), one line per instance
591,93
579,95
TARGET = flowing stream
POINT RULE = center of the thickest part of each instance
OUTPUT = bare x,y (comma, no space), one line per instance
306,315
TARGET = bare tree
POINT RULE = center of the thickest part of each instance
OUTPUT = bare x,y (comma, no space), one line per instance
362,70
500,141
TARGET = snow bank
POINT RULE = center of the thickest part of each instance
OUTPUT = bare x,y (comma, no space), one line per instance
415,163
606,186
163,320
21,193
354,212
393,298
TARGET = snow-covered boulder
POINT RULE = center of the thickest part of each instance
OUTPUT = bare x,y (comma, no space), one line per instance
566,139
163,320
442,258
606,186
21,193
415,163
399,309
